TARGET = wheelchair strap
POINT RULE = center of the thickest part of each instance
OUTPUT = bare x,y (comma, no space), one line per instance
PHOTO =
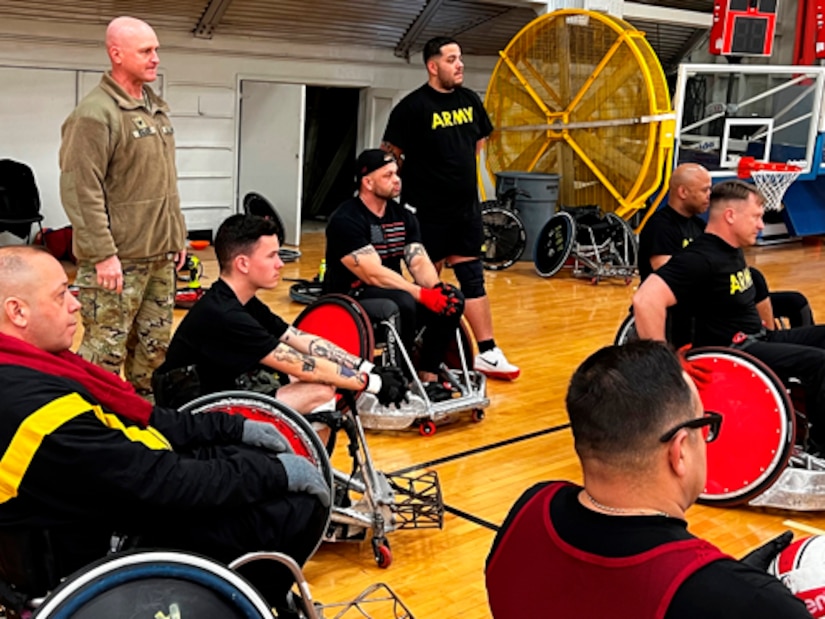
742,340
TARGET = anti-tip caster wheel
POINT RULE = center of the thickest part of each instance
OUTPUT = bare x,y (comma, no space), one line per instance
382,553
477,415
426,428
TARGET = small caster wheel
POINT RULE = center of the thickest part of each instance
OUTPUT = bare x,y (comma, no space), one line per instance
382,553
594,281
628,281
477,415
426,428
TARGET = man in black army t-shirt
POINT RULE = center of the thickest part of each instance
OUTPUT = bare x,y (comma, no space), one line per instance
711,278
435,133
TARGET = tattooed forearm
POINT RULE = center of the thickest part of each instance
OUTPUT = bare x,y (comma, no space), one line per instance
285,354
319,347
364,251
412,250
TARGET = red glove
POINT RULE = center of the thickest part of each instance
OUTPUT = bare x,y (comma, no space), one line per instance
433,299
700,374
455,300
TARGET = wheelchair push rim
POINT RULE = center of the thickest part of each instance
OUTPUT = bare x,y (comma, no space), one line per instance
624,238
554,244
77,595
627,331
757,435
505,237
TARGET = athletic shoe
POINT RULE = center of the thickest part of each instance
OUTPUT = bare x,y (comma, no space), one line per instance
494,364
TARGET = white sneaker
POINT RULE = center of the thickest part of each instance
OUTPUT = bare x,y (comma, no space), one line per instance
494,364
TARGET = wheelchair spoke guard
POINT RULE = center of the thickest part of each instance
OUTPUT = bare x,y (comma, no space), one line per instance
554,244
504,237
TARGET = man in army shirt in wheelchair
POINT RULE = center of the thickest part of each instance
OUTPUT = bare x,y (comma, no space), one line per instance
367,238
84,456
231,340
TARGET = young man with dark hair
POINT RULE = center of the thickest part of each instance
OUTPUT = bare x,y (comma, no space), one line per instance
711,279
640,432
435,133
368,236
231,340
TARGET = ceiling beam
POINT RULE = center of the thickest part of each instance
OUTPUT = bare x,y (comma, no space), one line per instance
665,15
402,50
212,16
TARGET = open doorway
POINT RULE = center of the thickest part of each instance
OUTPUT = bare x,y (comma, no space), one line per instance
330,131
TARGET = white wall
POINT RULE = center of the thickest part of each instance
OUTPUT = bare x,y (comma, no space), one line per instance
201,79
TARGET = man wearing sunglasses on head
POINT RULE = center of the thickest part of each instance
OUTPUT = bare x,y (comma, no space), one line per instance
619,546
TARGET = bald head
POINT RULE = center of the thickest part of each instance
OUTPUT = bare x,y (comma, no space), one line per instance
689,190
35,303
132,46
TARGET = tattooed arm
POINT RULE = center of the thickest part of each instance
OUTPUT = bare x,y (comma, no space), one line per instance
320,348
312,369
365,264
420,265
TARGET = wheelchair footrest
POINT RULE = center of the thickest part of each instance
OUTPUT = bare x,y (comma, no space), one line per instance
375,601
418,501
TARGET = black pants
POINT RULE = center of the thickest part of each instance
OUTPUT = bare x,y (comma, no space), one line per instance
439,331
799,353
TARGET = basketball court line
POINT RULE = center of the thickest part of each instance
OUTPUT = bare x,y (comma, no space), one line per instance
471,452
482,449
803,527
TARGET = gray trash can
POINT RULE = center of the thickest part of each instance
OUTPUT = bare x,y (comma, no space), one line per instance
538,208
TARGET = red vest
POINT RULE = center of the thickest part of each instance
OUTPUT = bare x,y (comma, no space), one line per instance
534,573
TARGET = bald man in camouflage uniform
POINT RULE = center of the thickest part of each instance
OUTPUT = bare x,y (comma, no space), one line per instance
118,185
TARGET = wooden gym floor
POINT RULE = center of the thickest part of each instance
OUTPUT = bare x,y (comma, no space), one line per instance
546,326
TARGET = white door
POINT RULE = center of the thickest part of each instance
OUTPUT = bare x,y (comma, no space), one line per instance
33,105
271,150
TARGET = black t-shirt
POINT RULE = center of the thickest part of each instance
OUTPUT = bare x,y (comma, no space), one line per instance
664,234
438,132
353,226
223,338
724,589
711,279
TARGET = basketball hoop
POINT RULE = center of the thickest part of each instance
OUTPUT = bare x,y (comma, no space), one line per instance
772,179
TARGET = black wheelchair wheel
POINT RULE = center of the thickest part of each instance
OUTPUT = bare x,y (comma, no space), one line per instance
627,331
255,204
504,236
554,244
154,584
624,240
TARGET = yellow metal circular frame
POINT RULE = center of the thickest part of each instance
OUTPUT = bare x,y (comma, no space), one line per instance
582,94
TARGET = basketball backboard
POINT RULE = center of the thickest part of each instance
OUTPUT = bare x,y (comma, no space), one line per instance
725,112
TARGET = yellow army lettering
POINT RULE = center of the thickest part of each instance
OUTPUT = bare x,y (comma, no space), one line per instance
452,118
741,281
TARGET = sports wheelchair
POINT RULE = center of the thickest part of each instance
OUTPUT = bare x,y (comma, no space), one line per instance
599,245
169,584
760,456
343,321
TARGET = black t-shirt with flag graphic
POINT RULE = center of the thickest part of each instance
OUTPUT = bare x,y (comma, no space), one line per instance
353,226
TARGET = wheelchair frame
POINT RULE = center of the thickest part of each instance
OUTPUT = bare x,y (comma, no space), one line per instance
387,502
615,255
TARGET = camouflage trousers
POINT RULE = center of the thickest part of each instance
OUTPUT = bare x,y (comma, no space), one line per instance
130,330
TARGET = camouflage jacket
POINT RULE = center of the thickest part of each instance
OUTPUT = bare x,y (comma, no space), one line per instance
118,181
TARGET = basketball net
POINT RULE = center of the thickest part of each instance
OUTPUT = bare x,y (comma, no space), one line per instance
772,179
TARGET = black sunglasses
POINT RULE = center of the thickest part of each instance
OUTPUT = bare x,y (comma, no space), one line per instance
712,421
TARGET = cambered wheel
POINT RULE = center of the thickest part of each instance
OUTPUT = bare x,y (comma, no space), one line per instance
426,428
624,240
554,244
382,553
478,415
627,331
504,236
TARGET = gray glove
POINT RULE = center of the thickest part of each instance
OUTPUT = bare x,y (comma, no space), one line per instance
263,434
302,476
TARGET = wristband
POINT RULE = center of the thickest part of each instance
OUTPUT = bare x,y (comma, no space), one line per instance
374,383
366,366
